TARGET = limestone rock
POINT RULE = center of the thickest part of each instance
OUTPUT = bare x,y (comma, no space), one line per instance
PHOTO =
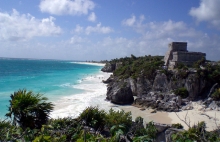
108,67
158,93
133,85
120,93
109,80
160,83
152,101
143,86
161,128
118,65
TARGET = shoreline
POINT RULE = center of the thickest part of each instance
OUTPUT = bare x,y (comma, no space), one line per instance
95,94
90,63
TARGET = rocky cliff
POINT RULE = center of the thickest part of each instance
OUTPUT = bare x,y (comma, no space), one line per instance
158,88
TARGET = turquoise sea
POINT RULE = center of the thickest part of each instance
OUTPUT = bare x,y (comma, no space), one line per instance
71,86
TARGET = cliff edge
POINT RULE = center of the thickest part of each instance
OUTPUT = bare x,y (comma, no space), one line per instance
159,88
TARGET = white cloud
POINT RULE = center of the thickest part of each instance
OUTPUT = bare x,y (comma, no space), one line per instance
92,17
166,29
154,37
76,39
129,21
78,29
66,7
161,29
208,11
16,26
153,40
96,29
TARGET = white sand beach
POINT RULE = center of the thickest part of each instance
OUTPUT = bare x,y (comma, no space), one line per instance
210,117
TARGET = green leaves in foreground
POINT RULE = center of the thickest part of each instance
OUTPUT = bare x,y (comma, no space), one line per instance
196,133
30,116
93,117
28,109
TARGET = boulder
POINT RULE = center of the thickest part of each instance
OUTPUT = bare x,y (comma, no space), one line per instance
161,128
120,93
167,104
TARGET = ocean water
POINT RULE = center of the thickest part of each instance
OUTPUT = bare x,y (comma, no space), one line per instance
70,86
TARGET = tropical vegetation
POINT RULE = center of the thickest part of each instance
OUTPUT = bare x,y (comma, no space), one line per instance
30,121
29,110
148,66
29,113
182,92
138,66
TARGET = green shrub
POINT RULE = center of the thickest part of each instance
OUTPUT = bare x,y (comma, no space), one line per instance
139,120
195,133
183,73
177,126
138,66
118,118
68,127
47,134
138,129
199,62
151,130
93,117
216,94
148,134
182,92
182,66
5,129
215,75
87,137
28,109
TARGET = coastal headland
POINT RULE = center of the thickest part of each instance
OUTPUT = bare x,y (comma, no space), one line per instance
186,92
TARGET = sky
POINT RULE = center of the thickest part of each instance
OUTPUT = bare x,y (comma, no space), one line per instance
107,29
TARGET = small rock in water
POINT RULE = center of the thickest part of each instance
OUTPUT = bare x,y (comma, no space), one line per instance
142,109
154,111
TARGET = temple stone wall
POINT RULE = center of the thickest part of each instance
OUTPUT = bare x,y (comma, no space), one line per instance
178,53
178,46
187,56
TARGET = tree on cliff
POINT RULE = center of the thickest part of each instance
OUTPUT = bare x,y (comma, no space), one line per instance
28,109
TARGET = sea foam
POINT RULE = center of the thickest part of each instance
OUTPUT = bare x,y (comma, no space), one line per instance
94,95
89,63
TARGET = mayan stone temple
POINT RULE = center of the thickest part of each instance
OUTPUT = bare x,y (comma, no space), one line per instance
178,53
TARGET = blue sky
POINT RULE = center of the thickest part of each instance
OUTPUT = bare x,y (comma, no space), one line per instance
106,29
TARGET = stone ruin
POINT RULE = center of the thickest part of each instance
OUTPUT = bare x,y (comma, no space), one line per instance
178,53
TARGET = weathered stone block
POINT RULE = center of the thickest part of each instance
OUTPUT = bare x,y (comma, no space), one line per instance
178,54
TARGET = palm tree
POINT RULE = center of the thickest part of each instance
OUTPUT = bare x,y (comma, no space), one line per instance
28,109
